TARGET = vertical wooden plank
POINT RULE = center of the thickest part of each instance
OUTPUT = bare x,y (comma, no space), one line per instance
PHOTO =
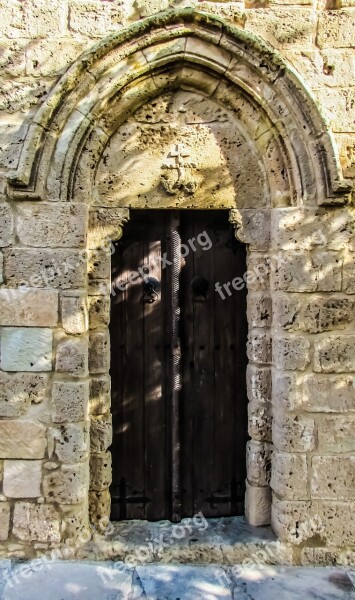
188,372
155,457
204,368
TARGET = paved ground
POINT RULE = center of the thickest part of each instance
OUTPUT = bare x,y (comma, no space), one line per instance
87,580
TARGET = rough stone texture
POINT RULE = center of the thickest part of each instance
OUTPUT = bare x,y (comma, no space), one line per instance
67,485
22,478
336,29
19,390
289,475
258,463
52,224
333,477
6,224
100,398
100,433
258,505
335,354
99,353
72,356
36,522
99,505
322,393
72,442
4,520
70,401
44,268
74,314
292,313
22,439
29,307
291,352
26,349
336,433
100,472
309,272
293,433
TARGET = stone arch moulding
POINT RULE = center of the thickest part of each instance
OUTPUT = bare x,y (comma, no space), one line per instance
177,48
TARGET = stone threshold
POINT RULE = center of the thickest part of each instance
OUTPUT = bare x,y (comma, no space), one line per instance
195,540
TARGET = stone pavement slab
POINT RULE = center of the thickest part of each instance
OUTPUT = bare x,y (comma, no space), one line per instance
184,582
74,580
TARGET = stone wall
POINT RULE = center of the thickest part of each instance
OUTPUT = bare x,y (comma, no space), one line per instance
62,204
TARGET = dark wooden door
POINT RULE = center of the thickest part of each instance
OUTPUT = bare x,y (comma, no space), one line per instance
178,360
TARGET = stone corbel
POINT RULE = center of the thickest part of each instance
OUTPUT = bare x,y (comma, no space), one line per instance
105,226
252,227
235,217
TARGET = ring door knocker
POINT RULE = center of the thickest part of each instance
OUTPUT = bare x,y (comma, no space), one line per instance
151,289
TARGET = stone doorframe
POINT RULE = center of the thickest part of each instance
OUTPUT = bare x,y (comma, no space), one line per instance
303,182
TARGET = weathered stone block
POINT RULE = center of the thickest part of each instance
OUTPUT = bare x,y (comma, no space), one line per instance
22,478
72,356
99,311
259,347
100,433
51,57
338,523
100,472
257,505
99,265
22,439
75,318
282,27
289,475
335,354
45,268
338,107
99,507
294,313
348,285
6,224
99,352
70,401
295,522
252,227
75,523
19,390
93,19
52,224
333,477
106,225
28,307
336,28
36,522
337,433
26,349
258,384
293,433
296,229
261,266
100,396
258,463
291,352
322,393
259,422
285,390
4,520
309,272
67,485
72,442
259,310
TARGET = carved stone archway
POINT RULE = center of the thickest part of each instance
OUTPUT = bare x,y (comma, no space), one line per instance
283,174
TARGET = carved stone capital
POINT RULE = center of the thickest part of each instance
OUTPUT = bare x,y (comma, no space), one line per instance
105,226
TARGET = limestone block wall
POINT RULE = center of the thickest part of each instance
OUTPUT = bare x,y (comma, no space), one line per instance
55,424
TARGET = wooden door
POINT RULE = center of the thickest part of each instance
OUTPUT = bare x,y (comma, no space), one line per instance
178,360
